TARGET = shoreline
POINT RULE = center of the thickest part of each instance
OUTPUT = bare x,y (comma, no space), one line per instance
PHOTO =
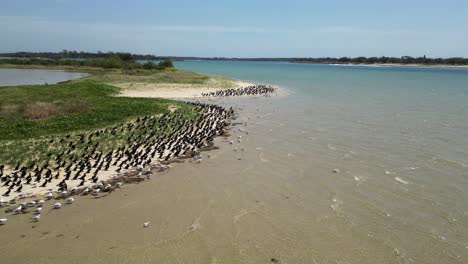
140,164
129,174
140,89
388,65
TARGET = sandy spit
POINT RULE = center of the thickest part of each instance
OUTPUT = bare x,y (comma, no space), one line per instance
171,90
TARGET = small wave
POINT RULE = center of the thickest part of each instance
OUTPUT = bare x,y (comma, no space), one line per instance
450,163
400,180
261,158
336,206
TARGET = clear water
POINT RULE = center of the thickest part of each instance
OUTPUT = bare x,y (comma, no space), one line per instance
398,135
11,77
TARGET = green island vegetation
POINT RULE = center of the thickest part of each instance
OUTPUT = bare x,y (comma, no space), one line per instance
37,121
125,61
405,60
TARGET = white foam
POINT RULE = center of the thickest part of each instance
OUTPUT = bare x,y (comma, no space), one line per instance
400,180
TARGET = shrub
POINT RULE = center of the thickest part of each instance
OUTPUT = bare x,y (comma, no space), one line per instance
166,63
149,65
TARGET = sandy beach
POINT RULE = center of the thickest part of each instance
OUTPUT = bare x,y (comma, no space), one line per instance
173,91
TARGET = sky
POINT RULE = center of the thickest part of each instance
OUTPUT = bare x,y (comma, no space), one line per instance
240,28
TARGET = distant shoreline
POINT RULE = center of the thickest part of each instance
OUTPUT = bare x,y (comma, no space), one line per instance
68,57
391,65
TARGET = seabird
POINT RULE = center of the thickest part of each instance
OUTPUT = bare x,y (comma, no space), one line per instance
36,218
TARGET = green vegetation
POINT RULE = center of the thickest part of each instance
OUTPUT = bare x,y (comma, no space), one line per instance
405,60
33,111
144,76
73,54
32,115
35,119
115,61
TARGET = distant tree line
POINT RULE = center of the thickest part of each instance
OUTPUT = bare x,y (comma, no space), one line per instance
115,61
385,60
75,55
356,60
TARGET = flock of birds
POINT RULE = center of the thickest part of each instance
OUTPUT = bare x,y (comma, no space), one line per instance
150,142
258,89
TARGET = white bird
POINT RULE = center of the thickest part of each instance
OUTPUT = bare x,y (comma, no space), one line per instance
37,211
69,200
31,204
85,192
48,196
2,202
146,224
40,202
96,191
18,209
3,221
74,189
36,218
57,205
63,193
118,185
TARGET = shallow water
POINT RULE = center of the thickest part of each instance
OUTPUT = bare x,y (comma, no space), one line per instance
398,138
11,77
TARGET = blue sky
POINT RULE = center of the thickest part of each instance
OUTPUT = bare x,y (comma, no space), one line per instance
241,28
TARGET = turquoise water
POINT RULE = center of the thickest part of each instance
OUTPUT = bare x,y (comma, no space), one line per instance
398,136
432,103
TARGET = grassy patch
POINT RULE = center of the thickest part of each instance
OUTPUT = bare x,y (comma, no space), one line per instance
37,121
147,76
34,111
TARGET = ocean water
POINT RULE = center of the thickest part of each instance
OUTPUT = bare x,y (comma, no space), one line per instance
347,164
10,77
